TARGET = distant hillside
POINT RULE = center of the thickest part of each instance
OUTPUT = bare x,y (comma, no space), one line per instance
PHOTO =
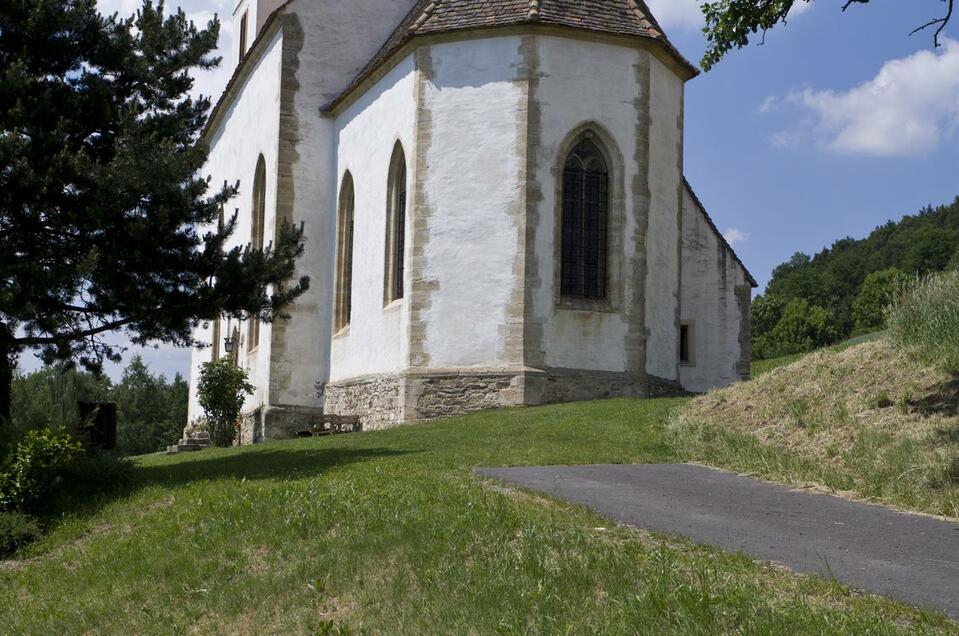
817,295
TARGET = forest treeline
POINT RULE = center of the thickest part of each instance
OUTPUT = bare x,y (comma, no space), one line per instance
813,301
151,409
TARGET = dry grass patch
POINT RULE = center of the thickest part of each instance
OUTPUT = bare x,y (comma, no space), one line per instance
868,419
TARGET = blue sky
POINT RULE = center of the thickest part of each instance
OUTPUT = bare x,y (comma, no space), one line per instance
838,123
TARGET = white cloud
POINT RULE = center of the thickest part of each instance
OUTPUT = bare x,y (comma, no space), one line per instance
908,109
735,236
684,14
768,105
786,138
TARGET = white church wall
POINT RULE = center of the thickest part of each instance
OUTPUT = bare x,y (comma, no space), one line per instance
376,340
472,188
662,242
257,12
263,8
710,305
582,82
247,129
328,45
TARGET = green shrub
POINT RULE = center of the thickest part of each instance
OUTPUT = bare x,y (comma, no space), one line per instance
801,327
36,468
925,319
222,389
16,530
877,292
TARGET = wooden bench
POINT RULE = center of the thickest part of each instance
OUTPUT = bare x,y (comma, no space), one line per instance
331,425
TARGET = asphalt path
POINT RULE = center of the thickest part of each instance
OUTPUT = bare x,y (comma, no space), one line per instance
910,557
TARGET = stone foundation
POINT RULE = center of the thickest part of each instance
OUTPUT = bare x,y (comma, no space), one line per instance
445,395
275,422
375,399
661,387
383,401
569,385
388,400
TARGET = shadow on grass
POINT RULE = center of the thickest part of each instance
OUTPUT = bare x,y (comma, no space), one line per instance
942,400
205,466
280,463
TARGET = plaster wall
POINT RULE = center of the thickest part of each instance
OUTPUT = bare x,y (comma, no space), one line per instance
248,128
469,202
263,10
583,85
257,12
710,305
376,341
326,45
663,237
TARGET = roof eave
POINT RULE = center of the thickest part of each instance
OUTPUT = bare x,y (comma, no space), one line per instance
402,49
722,239
242,69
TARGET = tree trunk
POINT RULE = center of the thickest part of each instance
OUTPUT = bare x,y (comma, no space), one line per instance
6,372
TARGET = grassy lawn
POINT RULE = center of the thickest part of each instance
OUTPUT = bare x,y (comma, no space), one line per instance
389,533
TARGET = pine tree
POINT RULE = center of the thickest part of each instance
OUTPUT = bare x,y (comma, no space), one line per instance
106,223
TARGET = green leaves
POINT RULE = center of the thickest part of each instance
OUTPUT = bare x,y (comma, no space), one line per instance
102,198
878,291
222,389
36,468
852,280
730,23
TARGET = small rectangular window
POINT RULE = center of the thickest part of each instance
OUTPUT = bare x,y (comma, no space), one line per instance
243,27
686,345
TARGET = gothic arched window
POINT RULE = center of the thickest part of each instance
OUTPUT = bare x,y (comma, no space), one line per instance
257,233
395,226
584,222
344,256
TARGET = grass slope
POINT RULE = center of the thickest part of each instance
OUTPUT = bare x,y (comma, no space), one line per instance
764,366
389,533
868,419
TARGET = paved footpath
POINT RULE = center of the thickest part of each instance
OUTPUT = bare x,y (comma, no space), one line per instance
913,558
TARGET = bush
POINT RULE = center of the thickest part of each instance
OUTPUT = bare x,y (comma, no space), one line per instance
801,328
877,292
36,468
925,319
221,391
16,530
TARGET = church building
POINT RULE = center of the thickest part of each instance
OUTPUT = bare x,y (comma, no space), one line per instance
494,208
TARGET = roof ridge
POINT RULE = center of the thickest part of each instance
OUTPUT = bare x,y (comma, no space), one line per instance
722,239
645,16
424,16
626,18
534,7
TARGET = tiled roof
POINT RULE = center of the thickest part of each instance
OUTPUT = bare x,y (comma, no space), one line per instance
618,17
